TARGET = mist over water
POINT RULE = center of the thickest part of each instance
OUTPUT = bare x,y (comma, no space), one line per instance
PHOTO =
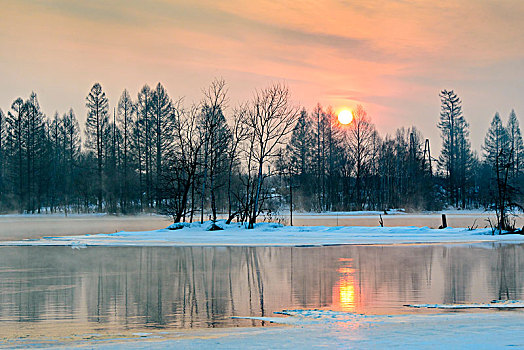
21,227
202,287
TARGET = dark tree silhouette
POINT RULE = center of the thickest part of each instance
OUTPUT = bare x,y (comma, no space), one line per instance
97,120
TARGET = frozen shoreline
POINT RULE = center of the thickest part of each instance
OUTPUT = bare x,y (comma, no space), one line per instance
269,234
307,329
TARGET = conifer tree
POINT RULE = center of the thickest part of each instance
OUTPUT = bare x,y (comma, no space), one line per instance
36,154
161,106
15,142
126,110
455,157
143,136
498,154
96,123
496,143
515,143
299,154
72,149
3,133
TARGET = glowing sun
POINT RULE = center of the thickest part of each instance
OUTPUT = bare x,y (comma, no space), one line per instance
345,116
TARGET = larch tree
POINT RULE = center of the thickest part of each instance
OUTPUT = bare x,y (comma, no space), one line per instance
71,137
143,136
498,154
15,122
299,153
496,142
456,149
317,119
515,143
55,141
3,133
126,110
334,157
161,108
36,152
97,120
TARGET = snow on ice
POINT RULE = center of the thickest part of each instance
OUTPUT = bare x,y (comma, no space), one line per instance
495,304
306,329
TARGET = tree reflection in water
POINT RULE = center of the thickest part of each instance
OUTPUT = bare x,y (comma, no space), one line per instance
190,287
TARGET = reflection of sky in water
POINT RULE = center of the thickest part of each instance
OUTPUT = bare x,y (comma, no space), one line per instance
202,287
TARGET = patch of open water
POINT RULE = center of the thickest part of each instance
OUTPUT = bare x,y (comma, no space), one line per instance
59,291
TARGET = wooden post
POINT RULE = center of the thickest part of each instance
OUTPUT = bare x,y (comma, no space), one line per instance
444,221
290,201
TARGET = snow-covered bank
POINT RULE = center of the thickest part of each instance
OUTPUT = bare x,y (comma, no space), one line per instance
270,234
314,328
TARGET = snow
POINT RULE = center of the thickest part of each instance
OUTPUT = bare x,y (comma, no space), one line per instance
348,213
272,234
495,304
307,329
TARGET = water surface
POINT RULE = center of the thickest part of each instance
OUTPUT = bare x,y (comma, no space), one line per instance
45,290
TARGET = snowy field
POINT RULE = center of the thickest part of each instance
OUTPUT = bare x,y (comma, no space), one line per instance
270,234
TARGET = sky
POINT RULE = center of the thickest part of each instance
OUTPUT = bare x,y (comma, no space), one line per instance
391,56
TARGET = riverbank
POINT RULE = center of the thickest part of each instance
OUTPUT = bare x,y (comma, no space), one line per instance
272,234
18,227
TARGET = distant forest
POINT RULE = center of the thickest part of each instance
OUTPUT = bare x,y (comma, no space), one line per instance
154,154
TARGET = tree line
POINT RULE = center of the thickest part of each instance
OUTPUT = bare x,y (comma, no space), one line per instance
153,153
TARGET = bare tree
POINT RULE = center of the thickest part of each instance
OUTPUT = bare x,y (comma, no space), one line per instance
271,118
239,134
359,138
216,140
183,160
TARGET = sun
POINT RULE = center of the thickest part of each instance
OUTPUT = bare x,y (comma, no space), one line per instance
345,116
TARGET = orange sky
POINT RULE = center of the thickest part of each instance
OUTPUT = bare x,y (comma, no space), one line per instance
392,56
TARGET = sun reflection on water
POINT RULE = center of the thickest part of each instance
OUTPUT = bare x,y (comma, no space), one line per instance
344,290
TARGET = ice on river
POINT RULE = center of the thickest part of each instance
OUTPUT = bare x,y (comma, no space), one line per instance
495,304
305,329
